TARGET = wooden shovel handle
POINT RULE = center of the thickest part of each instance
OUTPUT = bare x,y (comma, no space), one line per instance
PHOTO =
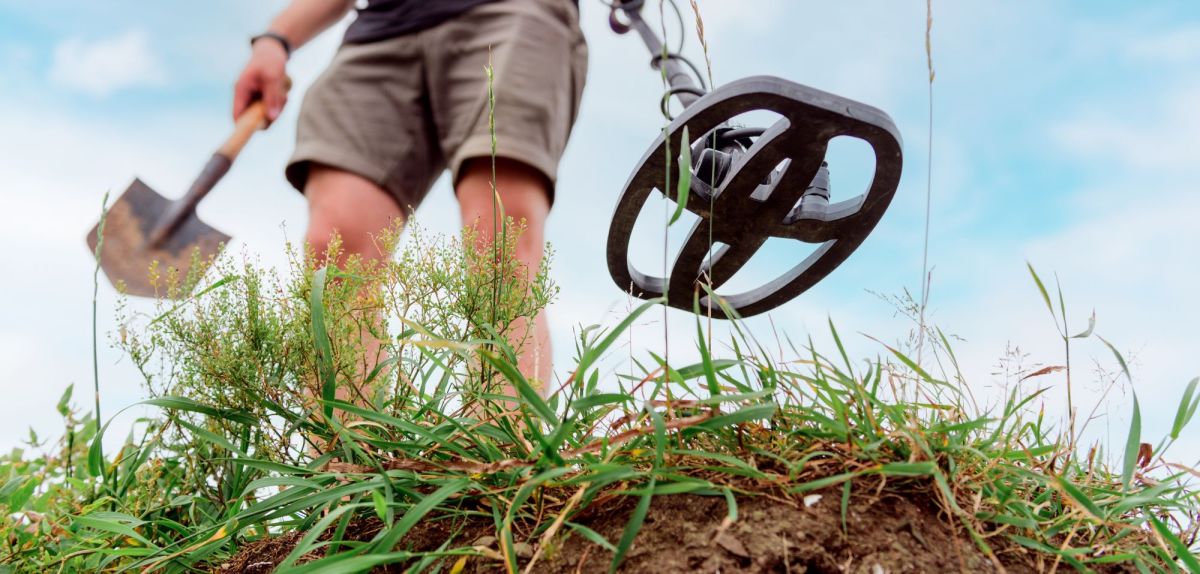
251,120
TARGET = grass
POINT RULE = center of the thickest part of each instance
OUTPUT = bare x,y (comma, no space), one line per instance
276,418
232,458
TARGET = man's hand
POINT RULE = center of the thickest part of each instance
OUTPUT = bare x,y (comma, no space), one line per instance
265,76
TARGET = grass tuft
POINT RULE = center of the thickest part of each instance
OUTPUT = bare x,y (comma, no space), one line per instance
246,448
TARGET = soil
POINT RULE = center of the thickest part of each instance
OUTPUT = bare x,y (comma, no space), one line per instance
887,532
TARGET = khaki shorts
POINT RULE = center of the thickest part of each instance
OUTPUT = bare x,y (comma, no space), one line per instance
400,111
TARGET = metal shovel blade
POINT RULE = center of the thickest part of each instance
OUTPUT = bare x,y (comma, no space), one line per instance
128,253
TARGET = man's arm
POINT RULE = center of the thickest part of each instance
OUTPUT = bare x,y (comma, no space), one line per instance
266,75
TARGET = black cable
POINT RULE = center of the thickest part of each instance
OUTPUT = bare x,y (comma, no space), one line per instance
656,59
682,35
740,136
664,105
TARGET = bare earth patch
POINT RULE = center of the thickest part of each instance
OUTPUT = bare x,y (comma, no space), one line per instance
885,532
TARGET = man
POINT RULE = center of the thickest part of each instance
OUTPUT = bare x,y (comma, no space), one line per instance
405,98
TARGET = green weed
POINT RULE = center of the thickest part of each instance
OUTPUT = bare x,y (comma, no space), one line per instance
249,447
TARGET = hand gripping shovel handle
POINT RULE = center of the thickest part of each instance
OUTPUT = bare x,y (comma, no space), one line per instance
249,122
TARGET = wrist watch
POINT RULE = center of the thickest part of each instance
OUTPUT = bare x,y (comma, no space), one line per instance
283,41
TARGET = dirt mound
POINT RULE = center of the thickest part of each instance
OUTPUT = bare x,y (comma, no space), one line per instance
884,533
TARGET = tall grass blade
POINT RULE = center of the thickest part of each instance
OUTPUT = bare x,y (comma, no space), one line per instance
1042,290
844,506
93,465
745,414
527,392
820,483
1090,328
592,536
1120,359
684,185
418,511
320,336
1132,444
1187,408
731,504
660,437
1077,495
593,352
308,541
706,361
350,563
1042,287
116,523
908,468
190,405
633,526
837,339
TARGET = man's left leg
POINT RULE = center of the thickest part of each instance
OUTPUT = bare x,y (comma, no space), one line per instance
521,113
525,193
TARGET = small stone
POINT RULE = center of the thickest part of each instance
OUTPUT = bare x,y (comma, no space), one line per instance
811,499
732,545
484,541
877,569
523,550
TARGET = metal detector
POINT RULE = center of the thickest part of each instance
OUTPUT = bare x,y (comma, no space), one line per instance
749,184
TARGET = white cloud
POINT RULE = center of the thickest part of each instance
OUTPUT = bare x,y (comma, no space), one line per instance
1128,251
103,67
1124,135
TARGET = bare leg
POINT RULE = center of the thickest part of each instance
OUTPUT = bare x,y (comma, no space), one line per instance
350,205
526,195
357,210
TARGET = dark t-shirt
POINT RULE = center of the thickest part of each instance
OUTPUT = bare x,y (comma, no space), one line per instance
383,19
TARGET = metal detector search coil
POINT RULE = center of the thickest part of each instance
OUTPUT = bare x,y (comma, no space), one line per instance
749,185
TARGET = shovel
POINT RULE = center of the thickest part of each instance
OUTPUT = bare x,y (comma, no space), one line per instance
143,227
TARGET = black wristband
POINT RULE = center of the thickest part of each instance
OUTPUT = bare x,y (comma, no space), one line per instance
283,41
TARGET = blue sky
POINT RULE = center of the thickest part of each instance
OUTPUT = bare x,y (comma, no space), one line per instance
1066,134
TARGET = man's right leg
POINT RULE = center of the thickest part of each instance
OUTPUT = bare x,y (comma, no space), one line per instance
351,206
357,210
363,157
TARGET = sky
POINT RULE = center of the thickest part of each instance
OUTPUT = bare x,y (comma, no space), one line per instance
1065,135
